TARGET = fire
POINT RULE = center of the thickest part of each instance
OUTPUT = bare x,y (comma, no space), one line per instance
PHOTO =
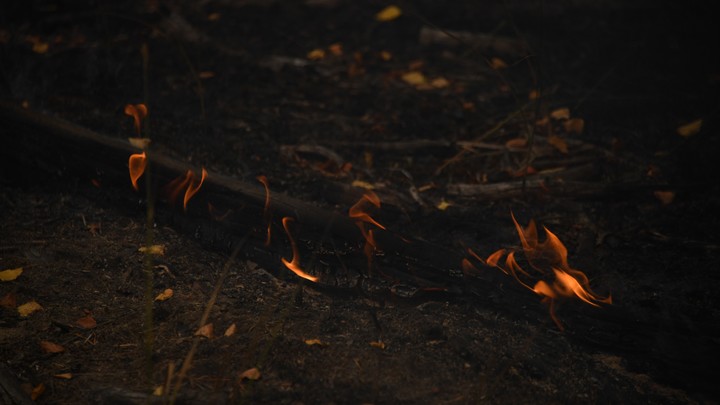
294,265
187,183
138,112
549,262
136,166
362,218
267,215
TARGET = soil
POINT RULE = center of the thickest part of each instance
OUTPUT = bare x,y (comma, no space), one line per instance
232,86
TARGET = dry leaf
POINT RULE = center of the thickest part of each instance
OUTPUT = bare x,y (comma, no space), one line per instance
206,331
314,342
50,347
389,13
158,391
516,143
158,250
414,78
336,49
11,274
439,83
533,95
316,54
385,55
379,345
40,47
87,322
363,184
560,114
37,391
214,16
665,197
165,295
140,143
250,374
574,126
28,308
206,74
230,330
558,143
443,205
64,376
497,63
690,129
8,300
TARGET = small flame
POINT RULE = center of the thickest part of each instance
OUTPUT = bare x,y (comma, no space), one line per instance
136,166
193,188
138,112
267,215
357,211
294,265
187,183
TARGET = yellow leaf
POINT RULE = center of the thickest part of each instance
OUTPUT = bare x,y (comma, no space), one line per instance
40,47
363,184
389,13
140,143
206,331
165,295
316,54
158,250
158,391
50,347
87,322
560,114
443,205
230,330
414,78
250,374
690,129
10,275
314,342
385,55
558,143
440,83
64,376
28,308
379,345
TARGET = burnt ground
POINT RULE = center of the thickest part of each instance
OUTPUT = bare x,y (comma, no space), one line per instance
230,86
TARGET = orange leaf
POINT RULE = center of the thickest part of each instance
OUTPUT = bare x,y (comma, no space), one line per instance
64,376
50,347
8,300
690,129
389,13
558,143
665,197
414,78
336,49
316,54
314,342
206,331
378,344
516,143
230,330
560,114
250,374
165,295
574,126
497,63
87,322
37,391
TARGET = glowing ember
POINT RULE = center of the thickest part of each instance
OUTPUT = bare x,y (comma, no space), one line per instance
136,166
266,212
294,265
138,112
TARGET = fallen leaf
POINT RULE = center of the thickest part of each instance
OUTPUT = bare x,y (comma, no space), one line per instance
690,129
574,126
230,330
64,376
379,345
443,205
165,295
665,197
206,74
250,374
336,49
214,16
363,184
158,250
50,347
37,391
316,54
158,391
533,95
87,322
8,300
560,114
314,342
11,274
439,83
206,331
414,78
40,47
140,143
558,143
497,63
28,308
516,143
385,55
389,13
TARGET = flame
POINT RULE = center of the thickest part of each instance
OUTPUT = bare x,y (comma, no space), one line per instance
357,211
294,265
267,216
136,166
187,183
215,213
138,112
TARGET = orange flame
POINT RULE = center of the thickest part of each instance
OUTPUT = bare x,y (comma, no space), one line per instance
266,212
294,265
187,183
136,166
357,211
138,112
193,188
